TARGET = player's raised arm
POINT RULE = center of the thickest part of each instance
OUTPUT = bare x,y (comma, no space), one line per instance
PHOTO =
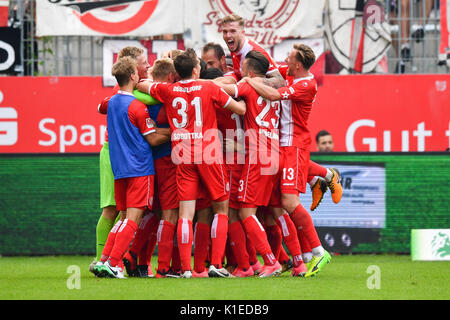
264,90
144,86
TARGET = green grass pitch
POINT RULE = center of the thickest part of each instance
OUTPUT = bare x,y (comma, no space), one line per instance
347,277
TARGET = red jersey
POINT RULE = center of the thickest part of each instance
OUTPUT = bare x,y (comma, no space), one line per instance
283,71
231,122
262,115
297,100
239,57
189,106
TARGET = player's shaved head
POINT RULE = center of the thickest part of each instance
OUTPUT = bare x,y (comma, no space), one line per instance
257,62
123,69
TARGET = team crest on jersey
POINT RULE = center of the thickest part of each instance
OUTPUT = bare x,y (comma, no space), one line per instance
149,123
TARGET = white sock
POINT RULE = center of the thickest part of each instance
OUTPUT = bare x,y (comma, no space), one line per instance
329,175
313,181
318,251
307,256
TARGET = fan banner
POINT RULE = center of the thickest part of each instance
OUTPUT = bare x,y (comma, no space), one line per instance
112,18
4,10
266,22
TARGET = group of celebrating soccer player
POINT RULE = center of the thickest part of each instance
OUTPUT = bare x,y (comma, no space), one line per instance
212,156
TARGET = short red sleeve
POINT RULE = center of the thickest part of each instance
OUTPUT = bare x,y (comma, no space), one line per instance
221,98
139,117
103,106
158,91
300,91
243,89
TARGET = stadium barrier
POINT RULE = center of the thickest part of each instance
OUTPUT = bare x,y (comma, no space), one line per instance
50,203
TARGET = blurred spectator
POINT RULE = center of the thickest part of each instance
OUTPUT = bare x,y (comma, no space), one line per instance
324,141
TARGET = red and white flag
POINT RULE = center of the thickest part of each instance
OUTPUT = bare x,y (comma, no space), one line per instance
4,9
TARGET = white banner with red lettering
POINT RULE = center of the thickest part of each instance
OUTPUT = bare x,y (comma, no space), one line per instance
267,22
141,18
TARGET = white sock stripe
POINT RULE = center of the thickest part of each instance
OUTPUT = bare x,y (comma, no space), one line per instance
284,227
123,225
259,223
214,226
185,231
159,232
144,221
116,226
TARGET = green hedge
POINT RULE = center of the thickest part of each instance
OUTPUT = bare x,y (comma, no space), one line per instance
49,204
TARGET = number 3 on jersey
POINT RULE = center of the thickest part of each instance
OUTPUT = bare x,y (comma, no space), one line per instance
181,104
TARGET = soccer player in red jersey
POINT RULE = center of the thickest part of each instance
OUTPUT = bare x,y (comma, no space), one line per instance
196,149
295,141
239,45
131,132
319,178
262,117
107,202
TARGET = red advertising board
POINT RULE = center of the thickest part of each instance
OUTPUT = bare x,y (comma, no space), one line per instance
363,113
384,112
51,114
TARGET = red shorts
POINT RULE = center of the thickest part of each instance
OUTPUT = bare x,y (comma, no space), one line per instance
254,188
212,176
134,192
234,172
294,170
166,196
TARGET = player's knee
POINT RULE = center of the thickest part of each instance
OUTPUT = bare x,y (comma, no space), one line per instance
289,202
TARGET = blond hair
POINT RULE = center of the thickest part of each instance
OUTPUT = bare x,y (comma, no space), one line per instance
305,55
162,68
123,69
131,51
234,18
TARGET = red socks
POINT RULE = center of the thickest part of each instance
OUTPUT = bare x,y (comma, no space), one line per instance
164,237
290,237
283,258
250,250
147,226
110,242
316,169
258,237
275,239
201,247
185,237
238,244
219,231
303,221
123,239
